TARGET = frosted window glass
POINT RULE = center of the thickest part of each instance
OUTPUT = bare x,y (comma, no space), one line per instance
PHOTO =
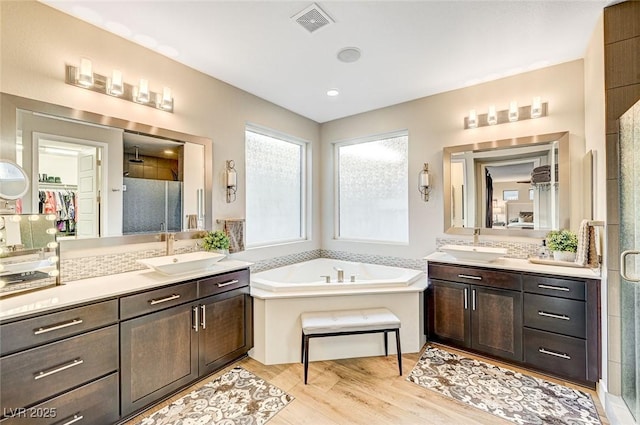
274,189
373,190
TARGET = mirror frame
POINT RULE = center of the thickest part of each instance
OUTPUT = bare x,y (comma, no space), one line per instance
564,175
10,104
26,181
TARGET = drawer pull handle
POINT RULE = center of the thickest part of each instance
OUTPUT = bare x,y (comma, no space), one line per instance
76,418
466,276
553,353
466,298
164,300
555,288
58,326
554,316
203,318
45,373
231,282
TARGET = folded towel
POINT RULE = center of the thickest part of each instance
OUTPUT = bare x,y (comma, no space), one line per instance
593,260
583,243
192,221
542,168
234,229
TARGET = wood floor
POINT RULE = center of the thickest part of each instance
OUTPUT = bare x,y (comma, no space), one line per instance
365,391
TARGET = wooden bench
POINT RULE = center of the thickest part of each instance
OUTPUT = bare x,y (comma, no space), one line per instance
348,322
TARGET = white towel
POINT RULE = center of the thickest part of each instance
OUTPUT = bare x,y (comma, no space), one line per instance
582,253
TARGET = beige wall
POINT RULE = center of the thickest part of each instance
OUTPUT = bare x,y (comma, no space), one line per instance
37,41
437,121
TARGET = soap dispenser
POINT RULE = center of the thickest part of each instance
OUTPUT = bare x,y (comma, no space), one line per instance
543,252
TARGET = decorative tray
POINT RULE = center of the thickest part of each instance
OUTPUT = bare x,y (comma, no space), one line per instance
536,260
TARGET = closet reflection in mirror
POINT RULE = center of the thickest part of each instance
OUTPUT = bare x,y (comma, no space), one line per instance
510,185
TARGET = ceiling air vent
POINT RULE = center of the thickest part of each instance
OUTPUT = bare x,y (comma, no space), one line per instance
312,18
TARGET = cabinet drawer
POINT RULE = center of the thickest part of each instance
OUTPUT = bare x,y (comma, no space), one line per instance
557,287
158,299
562,355
49,327
34,375
223,283
476,276
559,315
94,403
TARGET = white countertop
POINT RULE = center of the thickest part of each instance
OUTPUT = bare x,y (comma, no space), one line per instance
86,290
519,265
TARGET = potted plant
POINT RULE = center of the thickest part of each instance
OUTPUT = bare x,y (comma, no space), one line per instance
563,243
216,241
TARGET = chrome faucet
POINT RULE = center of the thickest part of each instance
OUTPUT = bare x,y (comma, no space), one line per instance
340,274
476,236
170,238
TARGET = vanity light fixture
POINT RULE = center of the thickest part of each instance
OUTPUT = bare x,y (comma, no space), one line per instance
115,86
472,120
536,107
231,181
83,76
424,185
536,110
513,111
85,73
492,116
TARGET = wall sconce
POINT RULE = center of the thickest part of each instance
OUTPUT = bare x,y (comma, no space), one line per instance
513,114
83,76
231,181
424,185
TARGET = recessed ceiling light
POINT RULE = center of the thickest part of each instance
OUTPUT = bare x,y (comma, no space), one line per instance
349,54
333,92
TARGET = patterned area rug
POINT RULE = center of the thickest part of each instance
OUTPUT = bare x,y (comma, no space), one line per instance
511,395
237,397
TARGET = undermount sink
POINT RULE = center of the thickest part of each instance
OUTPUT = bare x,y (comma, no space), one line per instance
482,254
182,263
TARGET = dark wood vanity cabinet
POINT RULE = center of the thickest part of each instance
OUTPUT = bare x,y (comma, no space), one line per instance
61,366
165,350
475,315
545,322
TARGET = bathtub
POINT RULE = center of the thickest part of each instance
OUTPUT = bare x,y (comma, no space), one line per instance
280,295
309,276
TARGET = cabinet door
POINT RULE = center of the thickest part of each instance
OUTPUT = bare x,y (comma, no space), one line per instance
449,313
496,316
225,329
159,354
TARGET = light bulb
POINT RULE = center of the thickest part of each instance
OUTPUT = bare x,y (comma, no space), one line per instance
85,73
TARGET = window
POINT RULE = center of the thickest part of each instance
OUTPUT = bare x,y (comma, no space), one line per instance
510,195
372,189
275,198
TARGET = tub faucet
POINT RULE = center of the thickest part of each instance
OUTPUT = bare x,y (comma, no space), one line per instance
340,274
476,236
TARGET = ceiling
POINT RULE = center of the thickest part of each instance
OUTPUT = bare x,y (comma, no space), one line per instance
409,49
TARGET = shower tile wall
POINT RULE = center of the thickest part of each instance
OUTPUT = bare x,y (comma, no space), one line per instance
622,90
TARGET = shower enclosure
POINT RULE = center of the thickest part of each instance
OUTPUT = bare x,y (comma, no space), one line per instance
151,206
630,257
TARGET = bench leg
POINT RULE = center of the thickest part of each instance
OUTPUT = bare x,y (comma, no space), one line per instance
306,357
386,344
399,352
302,347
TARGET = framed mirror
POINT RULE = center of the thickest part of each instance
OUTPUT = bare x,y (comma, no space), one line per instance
102,151
516,187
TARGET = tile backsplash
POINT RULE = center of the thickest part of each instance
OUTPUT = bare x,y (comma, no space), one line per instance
77,268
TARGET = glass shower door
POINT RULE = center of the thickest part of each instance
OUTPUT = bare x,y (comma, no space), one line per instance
630,257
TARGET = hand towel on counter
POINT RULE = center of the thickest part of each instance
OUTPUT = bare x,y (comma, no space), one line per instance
235,231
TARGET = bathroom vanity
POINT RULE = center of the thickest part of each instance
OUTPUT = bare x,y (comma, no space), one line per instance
100,350
540,317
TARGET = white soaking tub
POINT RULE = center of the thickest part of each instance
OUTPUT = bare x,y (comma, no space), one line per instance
282,294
